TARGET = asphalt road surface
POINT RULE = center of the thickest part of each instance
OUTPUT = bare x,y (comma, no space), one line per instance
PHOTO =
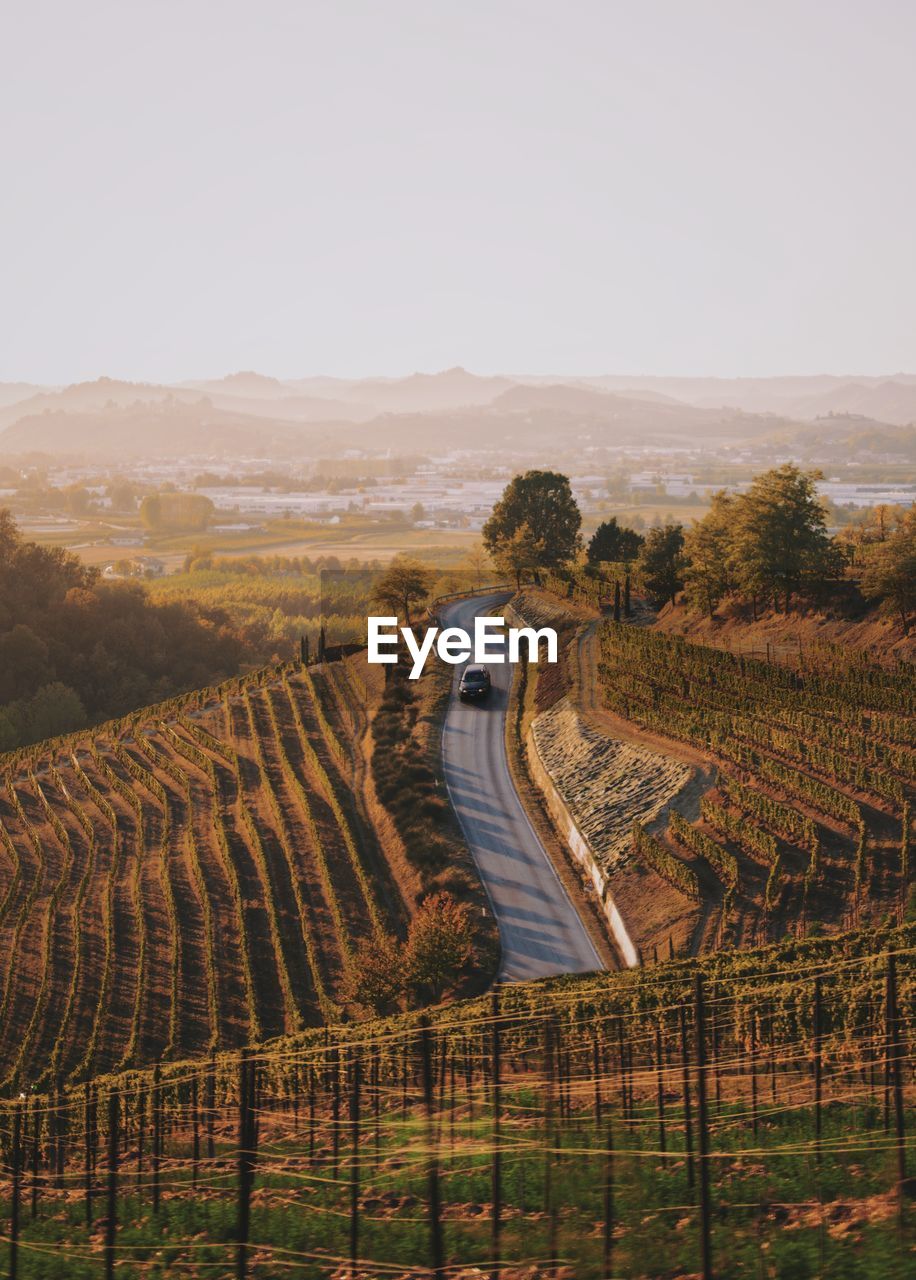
539,928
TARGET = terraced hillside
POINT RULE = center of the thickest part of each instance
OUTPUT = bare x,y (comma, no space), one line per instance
192,877
809,821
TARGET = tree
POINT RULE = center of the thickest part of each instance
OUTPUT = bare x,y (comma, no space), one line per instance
779,541
122,495
417,513
478,563
176,512
890,572
23,661
54,709
78,499
615,542
543,501
106,644
405,582
519,554
375,976
662,562
440,944
706,546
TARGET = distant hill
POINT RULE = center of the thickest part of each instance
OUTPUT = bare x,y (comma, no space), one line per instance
16,392
166,429
845,438
887,399
253,414
421,392
533,418
83,397
254,385
890,401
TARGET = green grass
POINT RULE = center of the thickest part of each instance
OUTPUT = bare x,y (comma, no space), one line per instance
771,1206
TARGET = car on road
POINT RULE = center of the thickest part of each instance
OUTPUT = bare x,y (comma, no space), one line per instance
474,685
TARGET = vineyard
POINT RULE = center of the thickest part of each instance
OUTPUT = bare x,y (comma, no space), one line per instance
193,877
745,1115
810,818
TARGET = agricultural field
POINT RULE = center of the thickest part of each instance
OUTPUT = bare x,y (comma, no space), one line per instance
276,600
193,877
742,1115
808,824
365,538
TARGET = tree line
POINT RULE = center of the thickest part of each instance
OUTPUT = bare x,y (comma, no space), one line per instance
76,650
767,547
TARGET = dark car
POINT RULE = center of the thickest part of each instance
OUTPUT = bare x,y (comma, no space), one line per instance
474,685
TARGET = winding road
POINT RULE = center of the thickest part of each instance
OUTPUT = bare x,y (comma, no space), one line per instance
539,928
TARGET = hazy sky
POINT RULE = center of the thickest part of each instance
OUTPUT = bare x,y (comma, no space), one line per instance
378,186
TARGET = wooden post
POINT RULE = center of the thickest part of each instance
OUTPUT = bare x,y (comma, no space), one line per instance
437,1252
622,1069
15,1194
36,1157
818,1069
157,1132
896,1051
549,1141
596,1072
312,1125
771,1036
608,1203
355,1068
452,1100
440,1096
141,1131
211,1107
468,1074
496,1179
63,1133
87,1152
703,1133
377,1101
335,1112
685,1082
755,1038
111,1221
245,1167
660,1091
195,1132
716,1057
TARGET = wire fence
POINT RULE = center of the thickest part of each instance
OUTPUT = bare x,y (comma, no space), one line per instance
711,1121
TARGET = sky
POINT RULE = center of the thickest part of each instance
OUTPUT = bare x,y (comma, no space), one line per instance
364,187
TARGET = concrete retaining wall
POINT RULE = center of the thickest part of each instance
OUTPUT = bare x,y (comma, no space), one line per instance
581,850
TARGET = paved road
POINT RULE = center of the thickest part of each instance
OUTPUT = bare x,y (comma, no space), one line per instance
539,928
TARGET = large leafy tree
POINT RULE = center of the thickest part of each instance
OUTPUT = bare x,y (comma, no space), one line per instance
612,541
779,544
404,583
890,572
707,579
661,562
519,554
440,945
543,502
